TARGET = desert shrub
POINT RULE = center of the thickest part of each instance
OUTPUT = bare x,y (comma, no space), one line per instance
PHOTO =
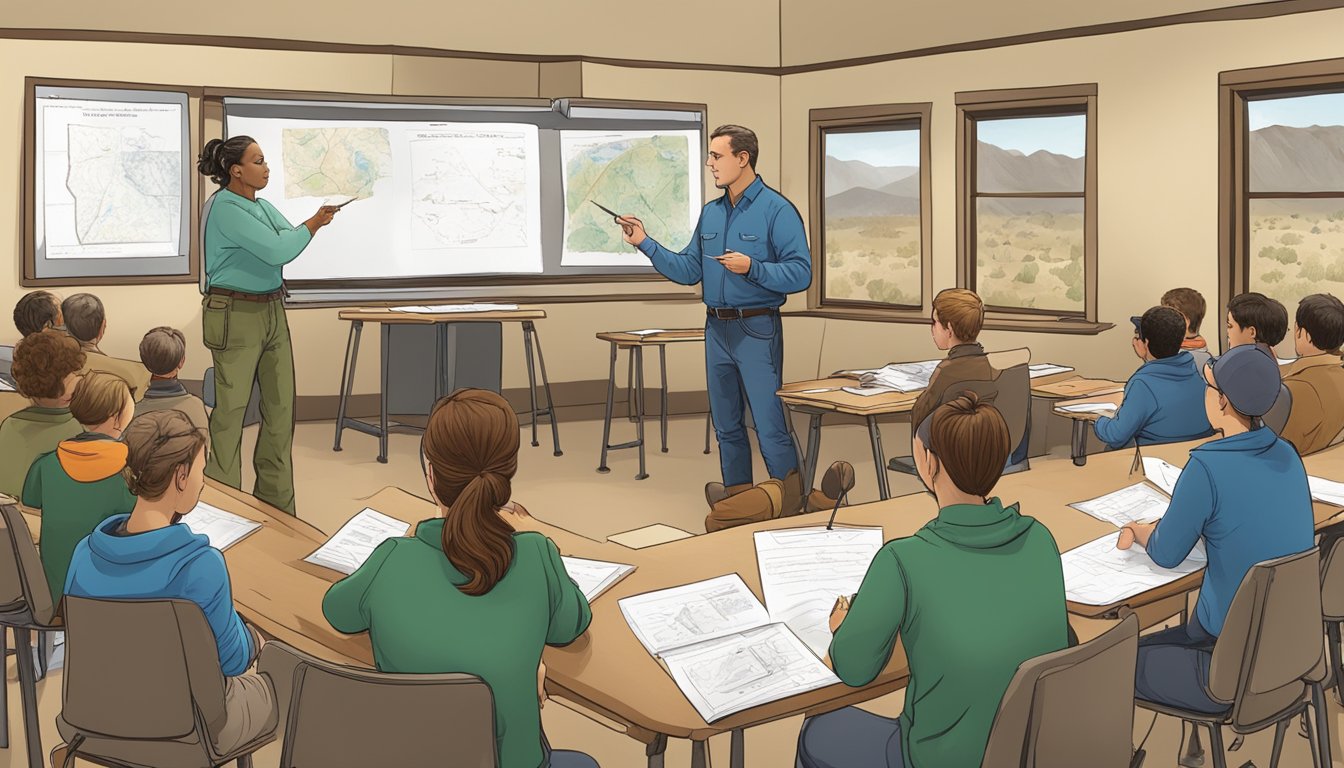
1028,274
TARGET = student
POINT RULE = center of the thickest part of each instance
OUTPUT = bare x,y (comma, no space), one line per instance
38,310
86,321
46,369
80,484
1163,398
1254,318
1246,495
958,316
468,568
973,594
1190,303
1316,380
163,351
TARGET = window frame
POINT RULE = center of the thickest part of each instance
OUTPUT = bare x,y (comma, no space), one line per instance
1027,103
852,119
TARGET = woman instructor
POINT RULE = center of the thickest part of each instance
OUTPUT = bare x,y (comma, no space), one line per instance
247,243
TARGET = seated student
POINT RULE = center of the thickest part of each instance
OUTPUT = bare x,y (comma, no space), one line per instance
1190,303
38,310
80,484
46,369
958,316
151,555
1163,399
1254,318
86,321
1316,380
973,594
468,568
1246,495
163,351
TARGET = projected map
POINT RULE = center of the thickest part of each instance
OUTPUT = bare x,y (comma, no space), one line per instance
321,162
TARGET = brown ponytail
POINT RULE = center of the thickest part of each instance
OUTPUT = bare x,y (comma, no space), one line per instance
471,443
157,444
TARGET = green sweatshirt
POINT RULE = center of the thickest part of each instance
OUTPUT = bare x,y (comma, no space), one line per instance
247,242
27,434
973,594
77,486
406,595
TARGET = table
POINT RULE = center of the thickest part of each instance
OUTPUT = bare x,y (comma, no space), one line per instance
443,324
1082,422
634,344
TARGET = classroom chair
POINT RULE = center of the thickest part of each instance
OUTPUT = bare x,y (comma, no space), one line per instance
1039,723
25,607
7,363
1268,664
253,413
1332,608
339,715
1277,418
164,651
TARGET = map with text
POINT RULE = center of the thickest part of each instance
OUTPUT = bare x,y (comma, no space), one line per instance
469,190
125,189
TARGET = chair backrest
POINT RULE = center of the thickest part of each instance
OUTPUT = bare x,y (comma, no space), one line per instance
1270,641
1338,439
163,650
6,358
1039,723
1332,582
344,716
1009,390
1277,418
23,583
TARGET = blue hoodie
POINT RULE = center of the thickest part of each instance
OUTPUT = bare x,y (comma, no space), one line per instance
1164,403
1247,496
164,564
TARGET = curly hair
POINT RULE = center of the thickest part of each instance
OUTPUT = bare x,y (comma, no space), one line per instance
43,360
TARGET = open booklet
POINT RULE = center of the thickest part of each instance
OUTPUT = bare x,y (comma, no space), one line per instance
224,529
721,647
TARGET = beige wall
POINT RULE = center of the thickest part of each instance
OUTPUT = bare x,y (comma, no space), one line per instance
1157,163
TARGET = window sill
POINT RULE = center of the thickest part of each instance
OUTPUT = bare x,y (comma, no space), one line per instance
1071,326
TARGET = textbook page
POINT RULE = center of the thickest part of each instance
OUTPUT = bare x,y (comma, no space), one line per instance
1161,474
729,674
691,613
1099,574
803,571
1326,491
224,529
1137,503
594,576
1046,369
356,540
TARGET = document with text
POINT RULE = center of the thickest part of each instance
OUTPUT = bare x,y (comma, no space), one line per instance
356,540
594,576
1161,474
1138,503
1099,574
224,529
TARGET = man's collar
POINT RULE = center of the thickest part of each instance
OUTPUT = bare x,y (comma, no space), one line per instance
749,194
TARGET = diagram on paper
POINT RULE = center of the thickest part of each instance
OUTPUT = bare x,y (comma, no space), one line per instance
127,185
469,191
323,162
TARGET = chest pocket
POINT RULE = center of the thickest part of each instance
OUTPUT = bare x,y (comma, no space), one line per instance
751,244
709,245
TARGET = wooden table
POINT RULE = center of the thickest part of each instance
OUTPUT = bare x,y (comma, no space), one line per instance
443,323
1082,422
634,344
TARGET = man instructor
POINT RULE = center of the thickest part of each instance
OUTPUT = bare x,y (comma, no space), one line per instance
750,251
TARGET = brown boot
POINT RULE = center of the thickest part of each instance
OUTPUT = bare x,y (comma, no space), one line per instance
819,502
764,502
793,494
716,492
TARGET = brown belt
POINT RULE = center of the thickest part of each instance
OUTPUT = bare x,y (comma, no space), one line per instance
272,296
734,314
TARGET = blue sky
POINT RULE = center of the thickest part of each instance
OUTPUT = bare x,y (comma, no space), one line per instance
1063,135
878,148
1297,111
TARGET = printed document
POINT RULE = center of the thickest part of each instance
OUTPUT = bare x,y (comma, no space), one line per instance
901,377
1137,503
1326,491
356,540
224,529
1099,574
1161,474
594,576
1046,369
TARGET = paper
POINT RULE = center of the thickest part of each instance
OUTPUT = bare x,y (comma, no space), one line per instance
224,529
898,377
356,540
594,576
1161,474
803,571
648,536
730,674
439,309
1326,491
646,332
692,613
1099,574
817,391
1105,408
1138,503
1283,361
1047,369
5,386
871,391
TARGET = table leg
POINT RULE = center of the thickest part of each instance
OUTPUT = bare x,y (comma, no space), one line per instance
546,387
883,491
1080,430
440,365
531,379
709,420
606,422
630,386
639,407
699,754
656,750
662,365
738,756
347,377
386,354
813,450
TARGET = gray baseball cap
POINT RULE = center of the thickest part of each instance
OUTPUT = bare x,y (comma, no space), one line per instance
1248,376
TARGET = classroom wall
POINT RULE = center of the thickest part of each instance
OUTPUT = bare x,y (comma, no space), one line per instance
1157,160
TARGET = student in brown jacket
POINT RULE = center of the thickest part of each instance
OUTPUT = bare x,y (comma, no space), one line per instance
1316,379
163,351
86,321
958,316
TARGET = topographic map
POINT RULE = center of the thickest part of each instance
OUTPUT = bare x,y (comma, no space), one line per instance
126,184
469,190
321,162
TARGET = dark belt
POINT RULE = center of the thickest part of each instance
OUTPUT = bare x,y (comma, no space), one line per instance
272,296
735,314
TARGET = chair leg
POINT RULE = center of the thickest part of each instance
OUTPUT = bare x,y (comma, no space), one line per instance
1216,746
1336,666
245,761
1193,756
46,648
28,692
1322,723
4,699
1279,729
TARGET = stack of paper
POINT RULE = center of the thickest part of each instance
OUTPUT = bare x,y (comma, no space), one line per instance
1138,503
438,309
720,647
1102,408
356,540
5,386
1099,574
1326,491
595,576
867,391
646,332
1047,369
899,377
224,529
1164,476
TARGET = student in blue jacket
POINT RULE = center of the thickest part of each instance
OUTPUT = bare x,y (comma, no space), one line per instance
1246,496
1164,398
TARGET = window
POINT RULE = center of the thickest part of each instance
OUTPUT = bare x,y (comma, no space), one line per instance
1027,202
1284,227
870,211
